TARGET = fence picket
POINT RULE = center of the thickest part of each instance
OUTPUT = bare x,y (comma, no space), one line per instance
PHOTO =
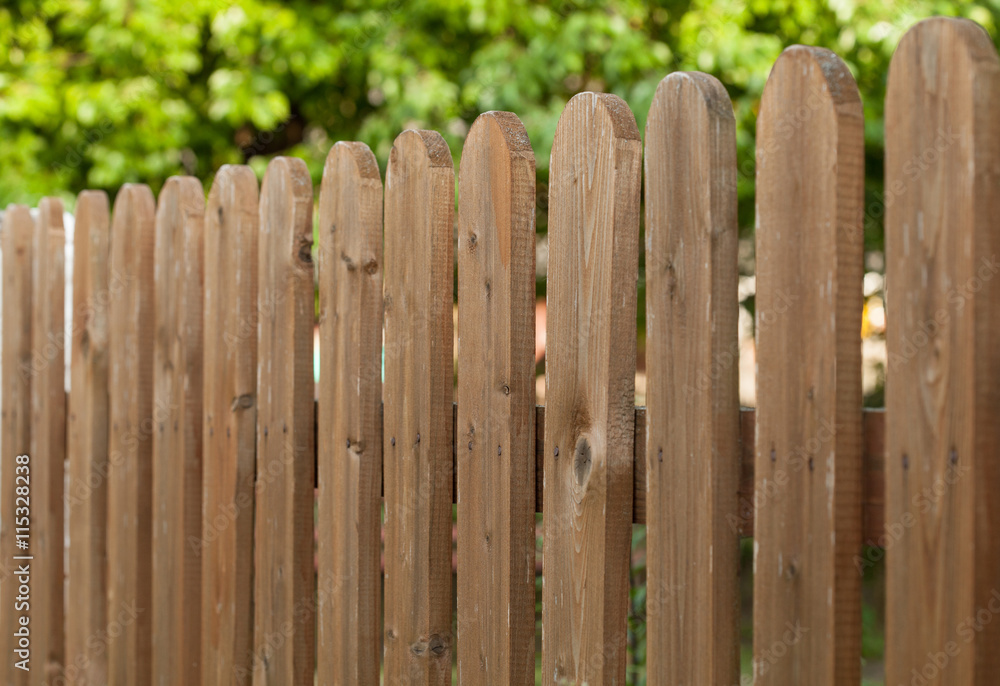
15,437
692,391
942,399
48,439
130,446
284,576
810,195
349,411
177,441
419,283
496,401
87,444
594,186
229,430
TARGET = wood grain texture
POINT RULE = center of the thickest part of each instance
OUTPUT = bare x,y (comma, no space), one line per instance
873,440
692,390
229,432
284,575
15,437
942,399
350,418
594,186
45,484
130,445
496,396
810,195
87,445
177,442
419,283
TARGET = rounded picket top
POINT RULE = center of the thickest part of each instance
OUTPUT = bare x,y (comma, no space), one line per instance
131,198
690,109
181,188
496,157
360,157
180,207
95,204
962,37
417,147
497,128
234,189
612,110
827,84
681,87
286,212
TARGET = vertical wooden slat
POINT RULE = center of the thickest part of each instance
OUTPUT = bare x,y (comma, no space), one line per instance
229,430
942,397
419,273
594,191
350,423
284,575
87,495
15,437
130,459
692,393
810,183
177,441
45,483
496,400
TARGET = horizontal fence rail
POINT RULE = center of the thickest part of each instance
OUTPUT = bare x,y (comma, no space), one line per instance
226,514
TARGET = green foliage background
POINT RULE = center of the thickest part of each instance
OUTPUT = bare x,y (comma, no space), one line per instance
94,94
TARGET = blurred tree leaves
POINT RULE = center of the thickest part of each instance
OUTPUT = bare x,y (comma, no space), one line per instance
98,93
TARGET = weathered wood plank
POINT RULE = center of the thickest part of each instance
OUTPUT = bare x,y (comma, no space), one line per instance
350,417
419,273
229,430
692,391
590,389
810,195
130,445
284,575
942,398
177,441
45,483
87,495
496,398
873,504
15,437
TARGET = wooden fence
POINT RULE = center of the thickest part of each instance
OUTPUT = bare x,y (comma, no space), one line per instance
187,452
